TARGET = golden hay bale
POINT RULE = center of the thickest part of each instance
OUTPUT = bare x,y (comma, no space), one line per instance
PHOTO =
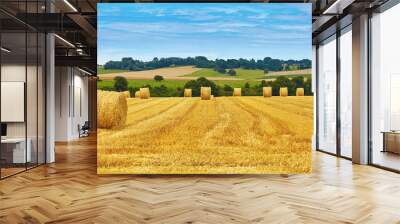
127,94
300,92
112,108
144,93
237,91
283,91
137,94
205,93
267,91
187,93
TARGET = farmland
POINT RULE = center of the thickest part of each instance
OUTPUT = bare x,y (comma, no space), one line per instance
243,74
173,73
290,73
176,78
190,72
101,70
225,135
173,84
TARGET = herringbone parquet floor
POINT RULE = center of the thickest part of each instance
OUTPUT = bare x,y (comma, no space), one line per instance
70,191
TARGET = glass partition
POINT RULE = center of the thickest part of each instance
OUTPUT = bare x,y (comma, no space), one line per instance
346,92
385,89
32,98
327,95
22,88
13,105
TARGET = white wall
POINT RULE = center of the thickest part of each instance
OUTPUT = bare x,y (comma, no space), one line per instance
62,81
81,82
71,102
14,73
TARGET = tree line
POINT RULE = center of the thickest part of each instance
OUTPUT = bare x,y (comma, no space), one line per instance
121,84
267,64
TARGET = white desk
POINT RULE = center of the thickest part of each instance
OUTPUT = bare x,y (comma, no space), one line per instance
19,154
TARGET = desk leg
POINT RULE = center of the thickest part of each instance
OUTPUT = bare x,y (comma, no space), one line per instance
384,142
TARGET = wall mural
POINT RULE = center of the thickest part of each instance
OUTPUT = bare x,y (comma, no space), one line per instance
204,88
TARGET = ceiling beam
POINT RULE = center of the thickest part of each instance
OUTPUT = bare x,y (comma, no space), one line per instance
78,61
84,24
337,7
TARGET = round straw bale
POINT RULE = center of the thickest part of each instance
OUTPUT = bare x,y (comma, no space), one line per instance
237,91
137,94
127,94
187,93
283,91
300,92
205,93
112,109
144,93
267,91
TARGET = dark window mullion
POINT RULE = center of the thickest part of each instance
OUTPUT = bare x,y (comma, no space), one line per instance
37,90
338,80
26,87
316,97
369,81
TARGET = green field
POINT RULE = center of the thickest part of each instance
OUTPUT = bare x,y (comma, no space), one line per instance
101,70
247,74
172,83
171,87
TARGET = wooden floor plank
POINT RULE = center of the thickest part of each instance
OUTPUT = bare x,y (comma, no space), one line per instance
70,191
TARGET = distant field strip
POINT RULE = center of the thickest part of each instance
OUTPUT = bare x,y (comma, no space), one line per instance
174,73
242,74
183,73
294,72
224,135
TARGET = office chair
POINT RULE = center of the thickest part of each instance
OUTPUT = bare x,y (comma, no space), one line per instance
84,130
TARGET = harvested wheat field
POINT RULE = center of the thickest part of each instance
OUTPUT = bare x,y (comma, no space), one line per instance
170,73
167,73
220,136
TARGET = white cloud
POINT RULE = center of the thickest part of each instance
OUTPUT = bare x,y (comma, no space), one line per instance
178,28
260,16
152,11
293,27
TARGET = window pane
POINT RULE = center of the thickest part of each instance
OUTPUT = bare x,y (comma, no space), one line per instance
327,96
385,85
13,86
346,93
31,98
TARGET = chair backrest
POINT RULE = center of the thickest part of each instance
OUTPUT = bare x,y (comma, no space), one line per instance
86,125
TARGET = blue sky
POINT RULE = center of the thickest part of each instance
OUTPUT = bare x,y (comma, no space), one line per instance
215,30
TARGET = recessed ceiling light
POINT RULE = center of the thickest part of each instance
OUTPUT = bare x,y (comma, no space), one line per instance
86,72
70,5
64,40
